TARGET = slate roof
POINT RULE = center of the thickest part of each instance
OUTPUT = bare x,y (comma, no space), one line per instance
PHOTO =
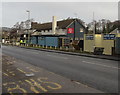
47,26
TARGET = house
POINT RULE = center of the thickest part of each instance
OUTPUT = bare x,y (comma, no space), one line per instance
58,33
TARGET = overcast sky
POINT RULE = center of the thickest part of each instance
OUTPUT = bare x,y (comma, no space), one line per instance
13,12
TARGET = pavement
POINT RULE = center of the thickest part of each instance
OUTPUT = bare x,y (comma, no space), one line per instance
21,77
100,74
109,57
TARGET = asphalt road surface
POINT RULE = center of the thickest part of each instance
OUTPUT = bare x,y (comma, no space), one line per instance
98,73
21,77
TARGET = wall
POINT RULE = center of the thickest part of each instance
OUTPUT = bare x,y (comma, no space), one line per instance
108,44
33,40
98,42
48,41
78,34
52,41
118,35
88,44
41,41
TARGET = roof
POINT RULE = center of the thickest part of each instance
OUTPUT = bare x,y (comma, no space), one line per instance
115,31
47,26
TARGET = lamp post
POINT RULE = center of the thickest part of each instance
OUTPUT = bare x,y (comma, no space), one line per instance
28,27
28,14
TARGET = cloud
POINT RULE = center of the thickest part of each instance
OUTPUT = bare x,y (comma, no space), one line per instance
43,11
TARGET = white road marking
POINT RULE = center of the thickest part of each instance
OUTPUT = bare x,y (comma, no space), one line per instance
100,65
57,56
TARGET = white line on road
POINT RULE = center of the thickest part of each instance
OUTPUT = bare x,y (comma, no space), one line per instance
100,65
57,56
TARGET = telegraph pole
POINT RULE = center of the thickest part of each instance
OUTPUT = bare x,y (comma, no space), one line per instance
93,31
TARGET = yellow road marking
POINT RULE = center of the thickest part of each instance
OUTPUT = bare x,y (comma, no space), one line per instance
17,87
21,70
58,86
35,84
32,87
10,90
5,74
12,73
38,85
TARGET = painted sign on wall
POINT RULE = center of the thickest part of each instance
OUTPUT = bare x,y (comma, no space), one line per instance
109,36
70,30
89,37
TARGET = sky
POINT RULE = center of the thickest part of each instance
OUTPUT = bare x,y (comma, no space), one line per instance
13,12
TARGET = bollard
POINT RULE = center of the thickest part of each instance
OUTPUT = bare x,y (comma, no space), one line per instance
60,48
55,47
80,49
66,48
46,46
73,49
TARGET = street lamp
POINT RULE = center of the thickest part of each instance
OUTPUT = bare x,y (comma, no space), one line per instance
28,14
28,25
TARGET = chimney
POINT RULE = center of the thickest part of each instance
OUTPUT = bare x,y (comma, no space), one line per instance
54,24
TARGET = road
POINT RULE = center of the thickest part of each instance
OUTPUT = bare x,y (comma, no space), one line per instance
100,74
21,77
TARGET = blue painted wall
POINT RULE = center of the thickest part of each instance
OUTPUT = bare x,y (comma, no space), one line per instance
48,41
33,40
52,41
41,41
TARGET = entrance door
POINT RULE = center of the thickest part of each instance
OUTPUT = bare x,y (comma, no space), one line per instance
81,44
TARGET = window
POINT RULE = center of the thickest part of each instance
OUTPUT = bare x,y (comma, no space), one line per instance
76,38
81,29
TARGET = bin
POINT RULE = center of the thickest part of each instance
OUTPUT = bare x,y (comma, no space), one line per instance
98,50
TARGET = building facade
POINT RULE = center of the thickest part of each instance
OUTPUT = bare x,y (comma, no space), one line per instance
58,33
